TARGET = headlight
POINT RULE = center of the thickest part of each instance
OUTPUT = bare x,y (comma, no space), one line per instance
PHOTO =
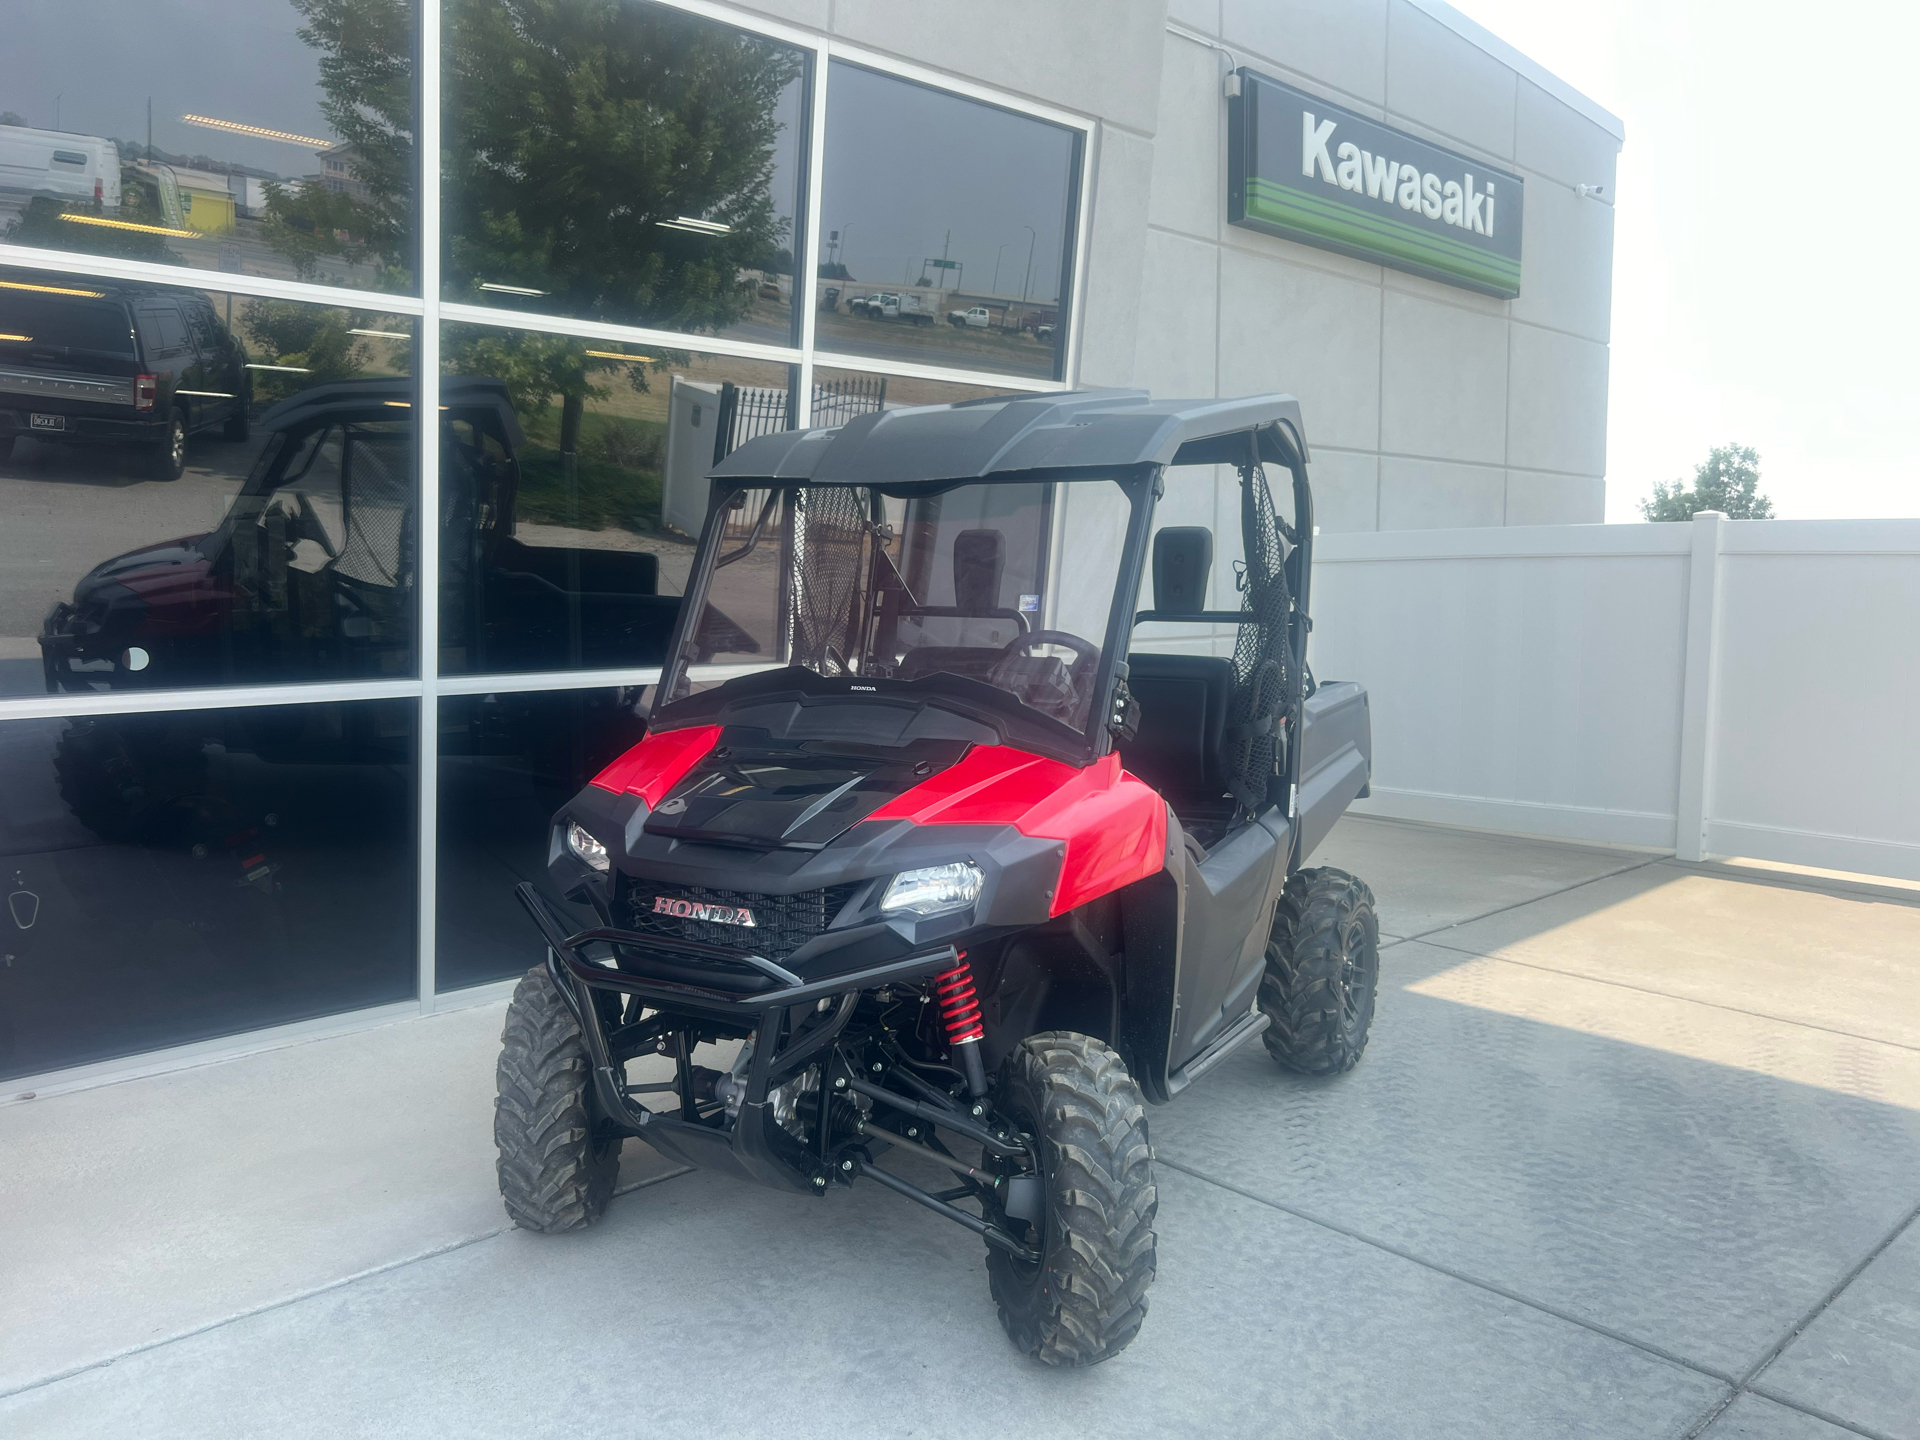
585,846
933,891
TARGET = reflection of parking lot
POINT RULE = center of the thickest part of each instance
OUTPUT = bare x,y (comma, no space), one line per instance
64,509
937,343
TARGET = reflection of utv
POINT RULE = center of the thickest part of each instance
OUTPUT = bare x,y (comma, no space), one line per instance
102,362
307,577
902,863
311,574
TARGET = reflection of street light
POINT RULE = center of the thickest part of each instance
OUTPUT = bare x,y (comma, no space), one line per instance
842,253
1032,236
996,265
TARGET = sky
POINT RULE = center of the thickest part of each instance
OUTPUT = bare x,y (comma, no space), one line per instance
1765,290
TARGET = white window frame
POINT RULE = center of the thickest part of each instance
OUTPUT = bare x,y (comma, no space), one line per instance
431,311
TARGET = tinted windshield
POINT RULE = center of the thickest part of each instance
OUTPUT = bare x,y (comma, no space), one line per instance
73,323
997,592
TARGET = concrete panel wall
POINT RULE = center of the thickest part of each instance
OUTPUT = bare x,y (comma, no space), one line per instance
1426,405
1472,410
1043,48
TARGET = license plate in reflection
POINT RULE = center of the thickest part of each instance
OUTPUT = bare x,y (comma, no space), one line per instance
48,422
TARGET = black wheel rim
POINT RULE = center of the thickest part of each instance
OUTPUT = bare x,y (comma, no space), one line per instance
1352,974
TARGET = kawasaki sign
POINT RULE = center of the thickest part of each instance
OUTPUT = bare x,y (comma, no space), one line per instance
1305,170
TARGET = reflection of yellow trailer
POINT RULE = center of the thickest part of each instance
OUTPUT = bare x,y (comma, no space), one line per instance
193,199
208,211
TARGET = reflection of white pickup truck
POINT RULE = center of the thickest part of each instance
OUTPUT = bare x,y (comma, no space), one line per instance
976,318
893,306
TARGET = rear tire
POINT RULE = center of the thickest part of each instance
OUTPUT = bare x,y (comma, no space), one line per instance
239,425
6,448
1086,1298
1323,973
167,457
558,1158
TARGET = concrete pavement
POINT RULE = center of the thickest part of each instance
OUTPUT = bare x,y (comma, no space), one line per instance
1635,1151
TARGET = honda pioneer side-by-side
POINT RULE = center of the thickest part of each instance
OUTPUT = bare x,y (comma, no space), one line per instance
947,852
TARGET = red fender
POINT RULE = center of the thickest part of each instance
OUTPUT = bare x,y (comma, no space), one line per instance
1114,825
656,764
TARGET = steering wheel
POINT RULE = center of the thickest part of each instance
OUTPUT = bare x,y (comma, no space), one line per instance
1085,652
1085,656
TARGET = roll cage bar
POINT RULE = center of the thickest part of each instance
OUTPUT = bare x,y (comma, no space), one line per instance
1122,435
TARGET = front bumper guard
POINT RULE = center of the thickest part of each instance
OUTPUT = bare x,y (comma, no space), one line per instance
790,988
747,1149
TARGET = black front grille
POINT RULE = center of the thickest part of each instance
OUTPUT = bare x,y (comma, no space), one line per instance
781,923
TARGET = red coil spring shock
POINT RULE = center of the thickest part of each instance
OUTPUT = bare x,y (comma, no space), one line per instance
960,1013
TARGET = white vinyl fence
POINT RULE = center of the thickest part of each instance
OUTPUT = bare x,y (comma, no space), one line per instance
1725,687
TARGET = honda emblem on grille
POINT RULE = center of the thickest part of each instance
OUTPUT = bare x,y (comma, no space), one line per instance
700,910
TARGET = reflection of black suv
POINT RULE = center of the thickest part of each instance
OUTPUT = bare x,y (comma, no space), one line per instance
86,361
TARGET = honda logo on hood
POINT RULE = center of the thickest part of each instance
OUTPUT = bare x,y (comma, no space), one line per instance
701,910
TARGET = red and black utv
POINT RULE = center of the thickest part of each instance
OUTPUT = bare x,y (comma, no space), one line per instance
968,877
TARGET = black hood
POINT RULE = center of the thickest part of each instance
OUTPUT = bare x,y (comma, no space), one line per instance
752,789
150,557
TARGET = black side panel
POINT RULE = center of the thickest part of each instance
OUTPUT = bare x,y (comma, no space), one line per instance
1230,898
1336,759
1152,912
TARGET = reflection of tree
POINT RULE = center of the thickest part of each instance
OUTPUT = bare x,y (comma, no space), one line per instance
366,84
310,337
572,128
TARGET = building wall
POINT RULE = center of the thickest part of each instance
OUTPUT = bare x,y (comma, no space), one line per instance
1426,405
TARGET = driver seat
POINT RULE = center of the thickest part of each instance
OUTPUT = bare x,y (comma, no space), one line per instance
1180,746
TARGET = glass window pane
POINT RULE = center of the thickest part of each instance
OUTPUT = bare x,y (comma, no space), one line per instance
622,161
173,877
949,228
885,392
507,763
973,586
270,138
200,489
572,485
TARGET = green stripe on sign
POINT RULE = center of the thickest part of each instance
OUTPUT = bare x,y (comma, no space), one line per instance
1383,224
1385,237
1309,215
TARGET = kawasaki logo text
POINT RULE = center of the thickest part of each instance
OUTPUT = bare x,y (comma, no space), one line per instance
1456,202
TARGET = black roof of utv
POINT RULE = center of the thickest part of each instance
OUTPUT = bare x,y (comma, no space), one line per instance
1022,433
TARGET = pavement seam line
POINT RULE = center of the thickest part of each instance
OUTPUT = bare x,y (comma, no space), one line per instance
1852,1427
1646,1347
1750,1381
1669,995
1533,900
345,1280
